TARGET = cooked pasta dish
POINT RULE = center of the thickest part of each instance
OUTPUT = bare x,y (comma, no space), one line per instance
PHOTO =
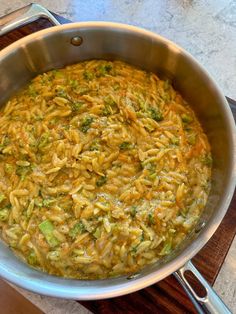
104,169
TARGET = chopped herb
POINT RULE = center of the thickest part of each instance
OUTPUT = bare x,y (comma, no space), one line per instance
32,92
4,213
88,75
109,105
101,181
4,143
134,250
77,229
125,146
192,139
142,104
73,83
66,127
23,171
142,237
46,227
109,101
94,147
106,111
151,219
174,141
207,160
85,124
75,106
186,118
155,114
133,211
104,69
32,258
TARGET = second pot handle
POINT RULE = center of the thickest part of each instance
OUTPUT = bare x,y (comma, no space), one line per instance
23,16
211,302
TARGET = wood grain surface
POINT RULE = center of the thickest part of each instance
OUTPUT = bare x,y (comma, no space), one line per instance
12,302
166,296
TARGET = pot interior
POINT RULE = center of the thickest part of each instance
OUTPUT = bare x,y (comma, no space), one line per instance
52,49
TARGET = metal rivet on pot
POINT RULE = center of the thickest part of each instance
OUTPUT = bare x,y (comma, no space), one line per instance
132,276
76,41
199,227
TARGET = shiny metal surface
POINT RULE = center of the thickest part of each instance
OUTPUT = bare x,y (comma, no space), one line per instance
210,303
52,48
20,17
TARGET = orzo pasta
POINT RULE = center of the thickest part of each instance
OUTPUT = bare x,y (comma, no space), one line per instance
104,169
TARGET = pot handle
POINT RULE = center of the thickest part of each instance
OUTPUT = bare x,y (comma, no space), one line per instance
25,15
211,302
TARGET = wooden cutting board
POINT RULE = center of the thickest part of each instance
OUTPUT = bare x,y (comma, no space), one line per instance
166,296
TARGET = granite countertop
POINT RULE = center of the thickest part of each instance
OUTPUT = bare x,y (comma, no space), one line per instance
206,29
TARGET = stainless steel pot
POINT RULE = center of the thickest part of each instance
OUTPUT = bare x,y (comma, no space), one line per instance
66,44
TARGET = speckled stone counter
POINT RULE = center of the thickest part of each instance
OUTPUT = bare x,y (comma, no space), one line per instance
206,29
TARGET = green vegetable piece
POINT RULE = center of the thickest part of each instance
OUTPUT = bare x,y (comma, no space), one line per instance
38,118
88,75
192,139
46,227
57,73
116,87
4,213
151,219
97,233
186,118
86,124
23,171
134,250
125,146
61,93
142,237
174,141
106,111
44,140
73,83
32,258
207,160
48,202
155,114
101,181
166,249
82,90
32,91
94,147
104,69
78,228
133,211
2,197
5,142
75,106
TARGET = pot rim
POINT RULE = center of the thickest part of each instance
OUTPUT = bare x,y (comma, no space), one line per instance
90,293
